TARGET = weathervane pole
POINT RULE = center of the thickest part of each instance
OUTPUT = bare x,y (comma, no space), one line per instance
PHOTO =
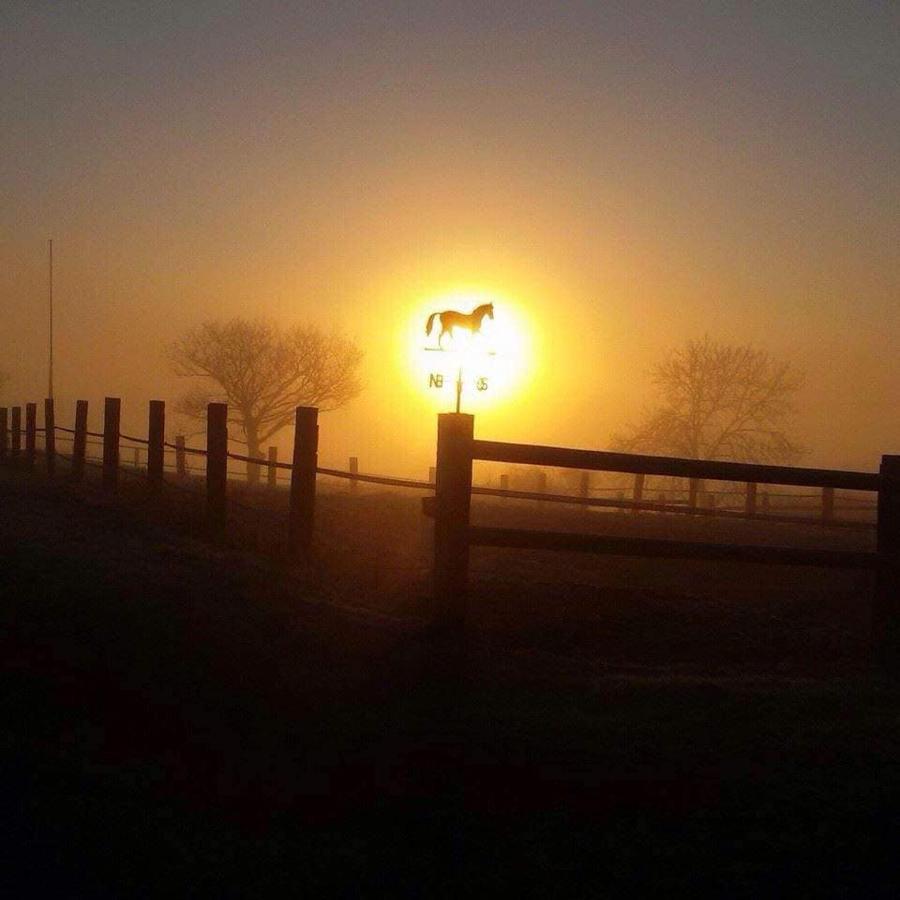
450,319
50,386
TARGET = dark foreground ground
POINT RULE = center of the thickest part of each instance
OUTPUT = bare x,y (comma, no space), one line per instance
190,721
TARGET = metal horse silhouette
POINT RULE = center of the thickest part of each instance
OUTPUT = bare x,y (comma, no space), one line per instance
451,319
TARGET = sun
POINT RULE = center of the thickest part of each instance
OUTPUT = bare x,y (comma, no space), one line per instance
491,359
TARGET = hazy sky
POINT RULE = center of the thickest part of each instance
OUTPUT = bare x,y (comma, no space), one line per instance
630,174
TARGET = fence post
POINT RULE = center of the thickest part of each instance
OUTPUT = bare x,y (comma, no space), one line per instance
180,457
827,504
354,470
750,500
638,492
79,440
112,411
693,488
30,433
303,479
541,478
886,617
4,433
272,470
216,466
16,442
584,491
584,484
50,435
156,443
453,497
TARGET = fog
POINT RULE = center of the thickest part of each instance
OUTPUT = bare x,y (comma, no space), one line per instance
625,180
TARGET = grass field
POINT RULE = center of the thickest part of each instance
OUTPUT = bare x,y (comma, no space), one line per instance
188,719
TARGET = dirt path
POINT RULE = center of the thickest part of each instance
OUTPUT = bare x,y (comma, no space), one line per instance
183,719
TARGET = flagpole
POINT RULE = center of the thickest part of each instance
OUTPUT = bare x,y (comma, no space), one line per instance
50,386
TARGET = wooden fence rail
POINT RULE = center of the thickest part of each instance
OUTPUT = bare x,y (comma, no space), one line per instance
601,460
667,549
451,481
457,450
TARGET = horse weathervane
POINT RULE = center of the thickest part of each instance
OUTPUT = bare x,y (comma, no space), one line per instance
451,320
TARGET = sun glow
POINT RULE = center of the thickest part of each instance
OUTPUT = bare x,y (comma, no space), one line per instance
492,360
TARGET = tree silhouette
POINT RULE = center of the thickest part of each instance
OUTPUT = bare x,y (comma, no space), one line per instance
263,372
719,401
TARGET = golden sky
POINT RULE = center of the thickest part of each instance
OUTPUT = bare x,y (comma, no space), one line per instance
622,178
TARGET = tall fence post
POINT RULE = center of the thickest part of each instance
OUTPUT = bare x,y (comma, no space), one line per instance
216,466
638,492
30,433
272,471
886,617
453,497
156,443
303,479
354,470
16,441
112,412
180,457
50,436
4,433
828,504
79,440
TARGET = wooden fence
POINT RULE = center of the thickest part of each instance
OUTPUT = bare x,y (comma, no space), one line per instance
302,470
451,483
457,449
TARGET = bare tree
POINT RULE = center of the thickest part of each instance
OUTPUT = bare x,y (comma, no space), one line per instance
263,372
719,401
